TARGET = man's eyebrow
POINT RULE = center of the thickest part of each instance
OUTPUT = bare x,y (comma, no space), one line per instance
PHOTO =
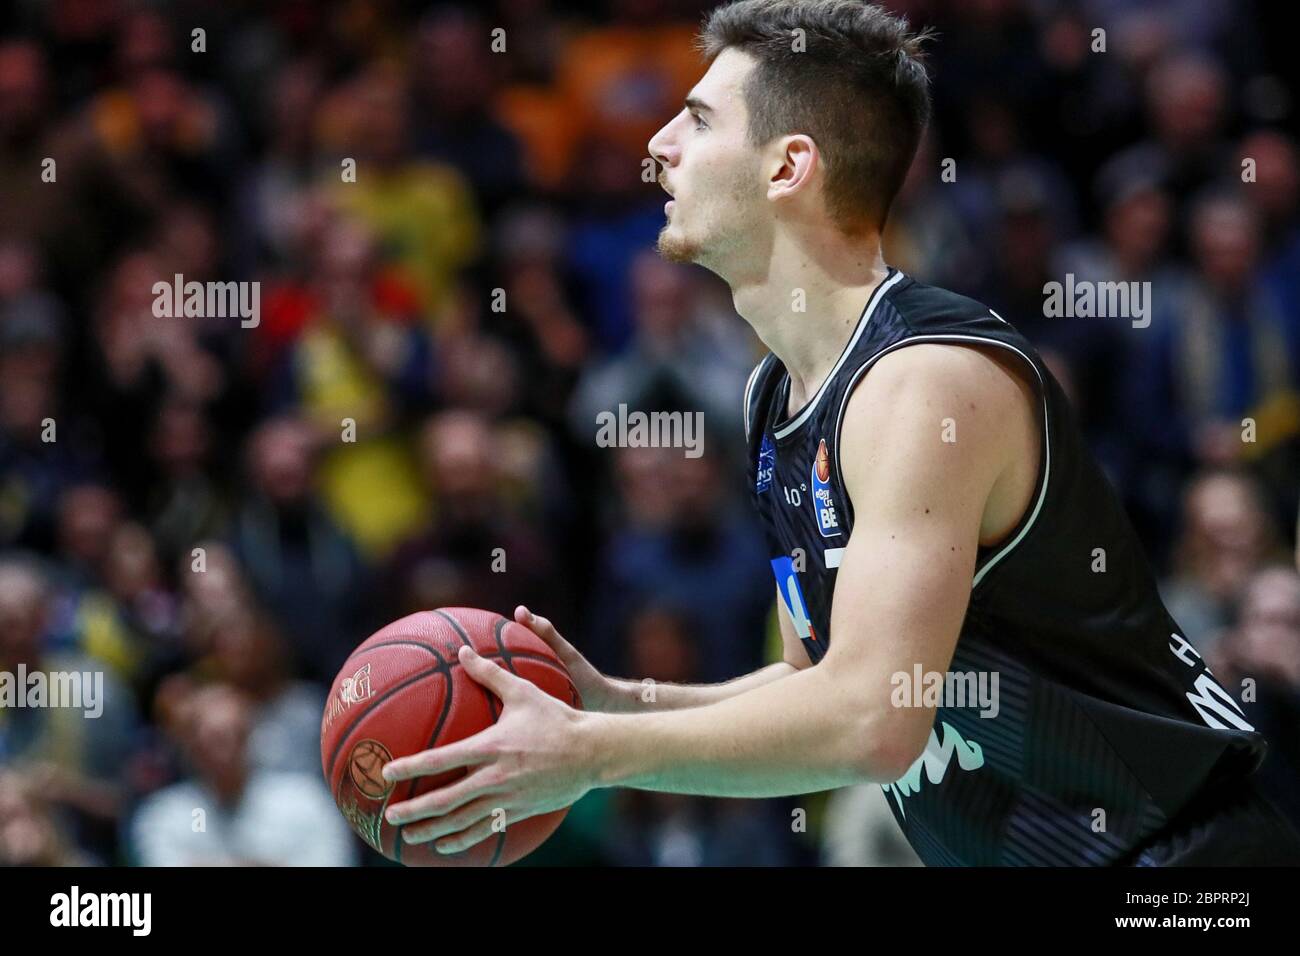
698,105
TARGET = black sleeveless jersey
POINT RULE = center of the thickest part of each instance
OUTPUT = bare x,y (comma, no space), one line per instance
1108,721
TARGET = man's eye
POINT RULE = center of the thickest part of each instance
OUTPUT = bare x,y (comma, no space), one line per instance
699,121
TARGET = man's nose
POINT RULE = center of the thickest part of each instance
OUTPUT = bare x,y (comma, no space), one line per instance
662,149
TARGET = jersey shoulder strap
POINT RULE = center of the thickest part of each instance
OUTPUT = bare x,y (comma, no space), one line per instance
755,389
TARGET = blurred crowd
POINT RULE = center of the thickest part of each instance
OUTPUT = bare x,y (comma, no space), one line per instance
213,515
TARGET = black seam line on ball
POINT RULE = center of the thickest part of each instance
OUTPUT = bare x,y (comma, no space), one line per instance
455,624
491,702
454,663
398,643
506,654
447,698
487,694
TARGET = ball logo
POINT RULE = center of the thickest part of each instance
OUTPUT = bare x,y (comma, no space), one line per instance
356,688
366,765
828,522
352,690
365,823
823,463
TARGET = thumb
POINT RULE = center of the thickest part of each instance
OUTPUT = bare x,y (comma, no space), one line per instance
493,676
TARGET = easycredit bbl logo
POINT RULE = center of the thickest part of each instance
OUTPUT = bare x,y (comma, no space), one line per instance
828,520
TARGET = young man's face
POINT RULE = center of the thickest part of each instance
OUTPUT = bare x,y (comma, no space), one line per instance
718,207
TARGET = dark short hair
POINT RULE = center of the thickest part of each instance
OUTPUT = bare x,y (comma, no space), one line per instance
853,79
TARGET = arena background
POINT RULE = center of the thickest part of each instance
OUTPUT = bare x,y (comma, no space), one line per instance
514,178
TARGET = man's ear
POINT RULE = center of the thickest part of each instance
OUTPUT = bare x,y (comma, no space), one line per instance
796,161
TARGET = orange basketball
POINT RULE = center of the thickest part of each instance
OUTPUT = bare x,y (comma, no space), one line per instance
402,691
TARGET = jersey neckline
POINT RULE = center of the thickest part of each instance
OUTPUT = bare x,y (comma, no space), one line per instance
788,426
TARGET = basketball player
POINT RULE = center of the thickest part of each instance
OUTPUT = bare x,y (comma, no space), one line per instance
932,514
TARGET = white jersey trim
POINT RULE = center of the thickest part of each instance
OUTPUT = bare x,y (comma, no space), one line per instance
811,406
749,390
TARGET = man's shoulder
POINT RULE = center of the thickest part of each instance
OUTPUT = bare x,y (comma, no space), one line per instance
944,370
959,339
967,398
926,307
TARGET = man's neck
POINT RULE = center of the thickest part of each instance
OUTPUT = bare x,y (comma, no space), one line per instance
806,305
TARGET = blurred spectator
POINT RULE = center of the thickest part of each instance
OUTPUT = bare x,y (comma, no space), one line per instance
250,655
1214,377
231,812
73,758
350,359
539,318
680,349
422,212
36,468
1260,660
1226,538
455,82
29,833
297,559
476,552
692,554
187,500
925,234
1275,195
132,574
1186,96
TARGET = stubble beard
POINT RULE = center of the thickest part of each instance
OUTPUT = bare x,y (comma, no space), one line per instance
674,248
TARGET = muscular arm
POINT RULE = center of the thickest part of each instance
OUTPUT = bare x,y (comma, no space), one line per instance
900,597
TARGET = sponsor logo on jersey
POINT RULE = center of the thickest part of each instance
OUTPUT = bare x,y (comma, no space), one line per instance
1214,704
934,762
787,584
828,521
766,464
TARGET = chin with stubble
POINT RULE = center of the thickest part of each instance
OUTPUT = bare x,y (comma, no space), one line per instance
673,248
